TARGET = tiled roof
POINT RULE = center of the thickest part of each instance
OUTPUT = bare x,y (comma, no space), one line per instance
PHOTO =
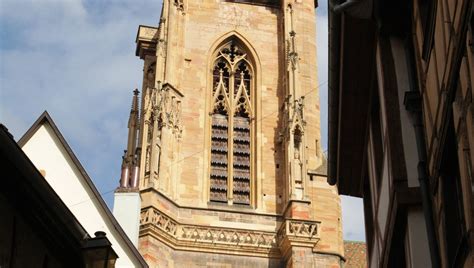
356,254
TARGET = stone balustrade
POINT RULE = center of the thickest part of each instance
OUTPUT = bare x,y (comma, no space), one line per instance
238,241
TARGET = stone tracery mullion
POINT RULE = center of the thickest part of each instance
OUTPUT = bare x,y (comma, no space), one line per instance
237,95
242,92
230,144
221,107
221,90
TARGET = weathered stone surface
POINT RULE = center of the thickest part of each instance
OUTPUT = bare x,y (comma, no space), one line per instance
183,222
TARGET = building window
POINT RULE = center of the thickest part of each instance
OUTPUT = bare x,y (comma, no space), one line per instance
428,11
231,125
452,199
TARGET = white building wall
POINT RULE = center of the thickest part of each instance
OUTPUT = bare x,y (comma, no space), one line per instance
47,153
408,131
418,252
127,213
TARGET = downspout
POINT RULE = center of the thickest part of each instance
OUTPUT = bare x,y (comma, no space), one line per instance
412,103
333,87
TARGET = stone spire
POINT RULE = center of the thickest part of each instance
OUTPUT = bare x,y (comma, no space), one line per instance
294,133
127,197
129,176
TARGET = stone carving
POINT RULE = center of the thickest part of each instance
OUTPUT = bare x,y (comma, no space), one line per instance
293,117
298,115
159,220
233,16
179,4
227,236
161,110
149,33
205,234
301,230
146,33
292,55
166,105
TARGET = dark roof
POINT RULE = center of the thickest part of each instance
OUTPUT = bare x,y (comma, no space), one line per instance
46,118
350,87
30,195
355,253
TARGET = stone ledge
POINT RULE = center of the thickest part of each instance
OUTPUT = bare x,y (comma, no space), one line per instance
228,240
163,198
147,38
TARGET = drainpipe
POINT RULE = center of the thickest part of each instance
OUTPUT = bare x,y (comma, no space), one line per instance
333,87
412,101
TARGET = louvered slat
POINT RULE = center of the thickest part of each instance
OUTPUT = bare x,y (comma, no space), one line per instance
219,171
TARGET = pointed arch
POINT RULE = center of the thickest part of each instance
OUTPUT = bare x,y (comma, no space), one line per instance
234,68
244,42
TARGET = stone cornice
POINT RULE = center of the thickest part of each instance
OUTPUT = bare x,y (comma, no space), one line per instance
167,86
179,228
206,238
234,241
147,38
300,233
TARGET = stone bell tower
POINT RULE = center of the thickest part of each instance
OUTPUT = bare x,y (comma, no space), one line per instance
226,146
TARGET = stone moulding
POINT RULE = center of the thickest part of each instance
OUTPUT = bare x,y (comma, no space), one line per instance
301,233
301,229
147,38
228,240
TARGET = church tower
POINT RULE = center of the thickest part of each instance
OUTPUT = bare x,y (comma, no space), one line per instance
224,147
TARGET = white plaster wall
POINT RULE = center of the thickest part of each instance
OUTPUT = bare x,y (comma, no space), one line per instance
416,244
408,131
127,212
47,153
374,256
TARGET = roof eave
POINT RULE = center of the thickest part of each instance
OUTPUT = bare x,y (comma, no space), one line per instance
46,118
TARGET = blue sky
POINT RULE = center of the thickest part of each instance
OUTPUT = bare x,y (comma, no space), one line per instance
76,59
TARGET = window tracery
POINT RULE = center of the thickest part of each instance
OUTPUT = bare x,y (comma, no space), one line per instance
231,112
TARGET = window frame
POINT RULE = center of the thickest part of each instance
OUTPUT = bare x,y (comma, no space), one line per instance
232,110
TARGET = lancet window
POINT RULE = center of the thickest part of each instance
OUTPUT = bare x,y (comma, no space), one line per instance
231,125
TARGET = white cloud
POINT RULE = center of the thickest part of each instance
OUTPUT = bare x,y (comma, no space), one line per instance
352,218
76,59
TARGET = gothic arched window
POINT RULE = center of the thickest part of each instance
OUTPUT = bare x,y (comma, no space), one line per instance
231,125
